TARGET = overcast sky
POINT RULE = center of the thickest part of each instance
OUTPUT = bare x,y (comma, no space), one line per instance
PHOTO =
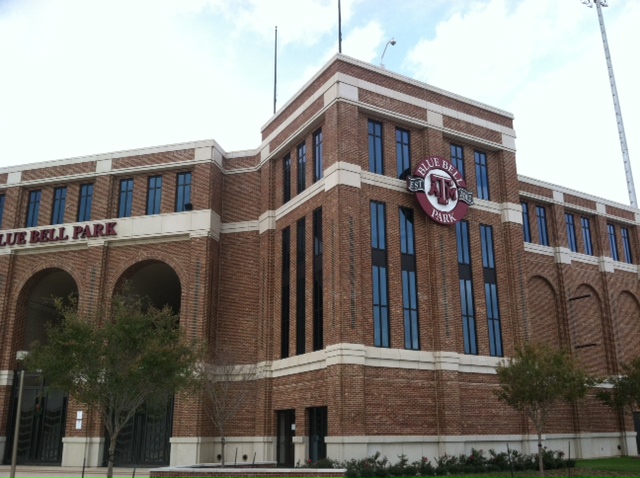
82,77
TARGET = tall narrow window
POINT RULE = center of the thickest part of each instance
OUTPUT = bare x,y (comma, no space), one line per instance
613,243
154,195
403,152
126,198
2,198
302,167
482,175
543,233
59,203
318,290
526,225
318,167
183,192
409,286
467,302
626,244
586,235
33,209
571,232
381,335
286,173
301,272
86,202
491,291
286,293
457,158
376,159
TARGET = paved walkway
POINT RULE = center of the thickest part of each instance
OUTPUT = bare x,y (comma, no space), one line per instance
70,471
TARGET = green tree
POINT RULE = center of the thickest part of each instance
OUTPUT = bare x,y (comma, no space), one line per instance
118,361
536,379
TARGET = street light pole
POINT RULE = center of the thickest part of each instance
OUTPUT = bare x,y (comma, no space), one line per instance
390,42
16,432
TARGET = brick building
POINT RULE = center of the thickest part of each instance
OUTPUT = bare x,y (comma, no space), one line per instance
375,327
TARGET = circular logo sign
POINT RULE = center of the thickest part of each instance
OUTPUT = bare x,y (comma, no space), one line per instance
440,190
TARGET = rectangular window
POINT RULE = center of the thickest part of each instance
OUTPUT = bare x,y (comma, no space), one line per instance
86,202
183,192
586,235
467,302
286,293
154,195
126,198
380,276
33,209
301,272
543,233
613,242
626,244
286,173
376,159
457,158
318,167
302,167
318,290
2,198
491,291
482,175
59,203
571,232
526,226
403,152
409,285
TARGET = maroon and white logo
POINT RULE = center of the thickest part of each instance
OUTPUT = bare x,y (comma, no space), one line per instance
441,190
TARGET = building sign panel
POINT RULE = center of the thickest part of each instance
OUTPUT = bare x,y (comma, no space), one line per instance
57,234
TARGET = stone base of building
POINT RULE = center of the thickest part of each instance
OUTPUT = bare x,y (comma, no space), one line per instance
75,450
238,450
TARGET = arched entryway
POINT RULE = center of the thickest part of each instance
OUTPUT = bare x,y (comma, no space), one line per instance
43,411
144,441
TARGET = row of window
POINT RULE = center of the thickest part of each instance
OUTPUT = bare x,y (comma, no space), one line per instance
85,203
301,161
572,237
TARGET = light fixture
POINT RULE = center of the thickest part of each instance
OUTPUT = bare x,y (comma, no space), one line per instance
390,42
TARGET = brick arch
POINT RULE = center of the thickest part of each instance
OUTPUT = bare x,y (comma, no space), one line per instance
542,303
586,329
626,326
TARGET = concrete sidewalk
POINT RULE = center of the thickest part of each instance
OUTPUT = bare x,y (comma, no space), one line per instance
70,471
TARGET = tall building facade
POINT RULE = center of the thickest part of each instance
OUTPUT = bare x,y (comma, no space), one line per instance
376,257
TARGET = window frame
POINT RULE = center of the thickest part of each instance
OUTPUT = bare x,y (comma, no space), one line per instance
482,175
154,195
376,147
125,208
183,190
59,205
33,208
403,152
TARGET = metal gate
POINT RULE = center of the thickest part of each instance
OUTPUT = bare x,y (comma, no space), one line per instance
42,422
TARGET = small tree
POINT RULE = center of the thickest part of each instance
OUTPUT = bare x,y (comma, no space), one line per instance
227,387
115,363
536,379
624,394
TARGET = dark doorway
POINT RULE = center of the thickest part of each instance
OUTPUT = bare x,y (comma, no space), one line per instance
636,424
317,433
286,432
42,422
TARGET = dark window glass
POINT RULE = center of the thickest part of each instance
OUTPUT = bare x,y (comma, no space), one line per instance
302,167
543,233
286,293
154,195
301,272
571,232
403,152
59,203
482,175
86,202
467,303
526,226
2,198
183,192
126,198
491,291
376,159
626,244
586,235
318,167
409,285
380,277
33,209
457,158
318,290
613,242
286,163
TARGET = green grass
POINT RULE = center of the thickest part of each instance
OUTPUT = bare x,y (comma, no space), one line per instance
625,464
